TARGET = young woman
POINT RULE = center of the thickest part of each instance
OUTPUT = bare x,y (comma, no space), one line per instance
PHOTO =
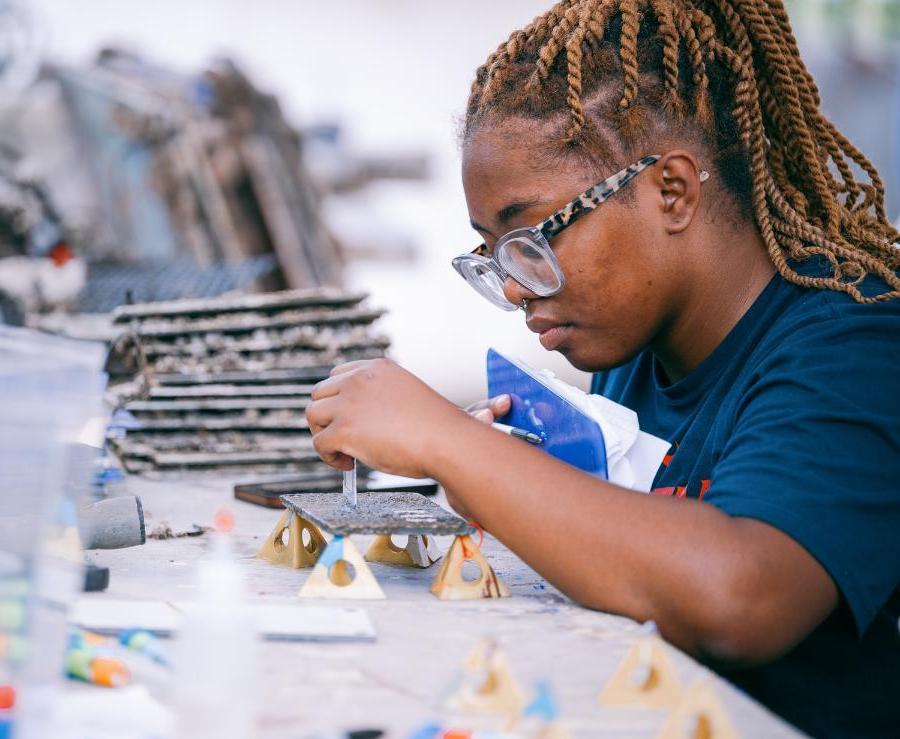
659,193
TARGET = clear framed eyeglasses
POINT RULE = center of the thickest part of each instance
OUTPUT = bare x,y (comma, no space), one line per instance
525,254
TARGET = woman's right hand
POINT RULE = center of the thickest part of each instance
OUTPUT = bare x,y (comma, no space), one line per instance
489,410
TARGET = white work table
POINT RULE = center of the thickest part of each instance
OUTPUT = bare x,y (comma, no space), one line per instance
397,682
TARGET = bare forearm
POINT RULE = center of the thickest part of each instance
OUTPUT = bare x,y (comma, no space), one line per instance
683,564
717,586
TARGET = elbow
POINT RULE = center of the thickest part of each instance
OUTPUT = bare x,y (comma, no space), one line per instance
731,617
740,625
731,645
725,626
723,623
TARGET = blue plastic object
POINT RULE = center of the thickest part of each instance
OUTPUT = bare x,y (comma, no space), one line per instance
334,552
568,434
544,705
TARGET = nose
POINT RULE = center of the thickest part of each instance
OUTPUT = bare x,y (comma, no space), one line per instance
515,292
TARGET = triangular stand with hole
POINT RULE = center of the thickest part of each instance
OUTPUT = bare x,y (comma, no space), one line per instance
699,715
449,584
295,552
554,730
420,551
341,572
488,685
645,678
540,718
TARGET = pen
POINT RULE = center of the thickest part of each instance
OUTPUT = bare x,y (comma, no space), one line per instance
85,664
88,658
144,643
528,436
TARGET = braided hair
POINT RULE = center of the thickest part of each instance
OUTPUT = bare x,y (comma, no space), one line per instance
614,75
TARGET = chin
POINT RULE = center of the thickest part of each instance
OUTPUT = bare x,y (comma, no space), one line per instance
597,359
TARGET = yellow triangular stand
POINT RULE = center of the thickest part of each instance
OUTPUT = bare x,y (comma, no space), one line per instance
420,551
539,719
449,584
534,729
538,728
699,715
295,552
341,572
645,678
553,730
488,685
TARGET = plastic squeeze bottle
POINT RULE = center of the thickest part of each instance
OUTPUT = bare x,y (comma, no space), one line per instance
216,654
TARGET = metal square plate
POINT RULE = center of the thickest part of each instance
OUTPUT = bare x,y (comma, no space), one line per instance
376,513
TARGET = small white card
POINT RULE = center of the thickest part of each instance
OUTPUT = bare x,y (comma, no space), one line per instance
274,622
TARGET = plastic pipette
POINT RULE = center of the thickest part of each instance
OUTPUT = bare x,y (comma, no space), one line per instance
350,485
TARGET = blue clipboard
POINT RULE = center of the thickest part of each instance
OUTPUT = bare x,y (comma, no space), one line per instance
567,433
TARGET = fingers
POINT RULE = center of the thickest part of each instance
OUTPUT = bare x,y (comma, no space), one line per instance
348,367
339,375
327,444
320,413
500,405
339,461
328,388
490,408
326,435
325,389
332,384
478,405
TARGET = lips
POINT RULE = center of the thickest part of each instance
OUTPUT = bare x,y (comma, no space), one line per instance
551,333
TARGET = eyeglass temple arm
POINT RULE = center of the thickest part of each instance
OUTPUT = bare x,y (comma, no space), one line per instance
594,196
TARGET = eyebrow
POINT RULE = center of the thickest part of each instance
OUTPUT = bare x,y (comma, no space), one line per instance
508,212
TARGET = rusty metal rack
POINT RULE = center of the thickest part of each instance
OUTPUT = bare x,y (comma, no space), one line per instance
222,384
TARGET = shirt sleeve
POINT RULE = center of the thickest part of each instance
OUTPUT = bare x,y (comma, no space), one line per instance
815,452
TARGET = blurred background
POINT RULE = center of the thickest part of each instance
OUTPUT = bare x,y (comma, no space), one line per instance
151,151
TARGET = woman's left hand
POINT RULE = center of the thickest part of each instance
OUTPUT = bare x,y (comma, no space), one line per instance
375,411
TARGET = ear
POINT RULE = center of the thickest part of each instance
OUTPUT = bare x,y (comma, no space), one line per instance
678,178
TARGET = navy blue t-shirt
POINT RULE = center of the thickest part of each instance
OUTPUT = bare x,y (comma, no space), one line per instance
794,420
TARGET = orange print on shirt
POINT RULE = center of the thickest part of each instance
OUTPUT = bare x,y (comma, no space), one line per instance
681,491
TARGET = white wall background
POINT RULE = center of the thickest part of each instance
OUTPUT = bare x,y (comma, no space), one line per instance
396,73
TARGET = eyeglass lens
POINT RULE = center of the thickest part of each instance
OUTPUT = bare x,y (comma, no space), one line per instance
529,264
488,283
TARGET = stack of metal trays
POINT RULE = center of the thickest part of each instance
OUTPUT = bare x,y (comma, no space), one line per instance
226,381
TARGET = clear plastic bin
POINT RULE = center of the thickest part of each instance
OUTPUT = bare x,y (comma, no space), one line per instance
50,393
